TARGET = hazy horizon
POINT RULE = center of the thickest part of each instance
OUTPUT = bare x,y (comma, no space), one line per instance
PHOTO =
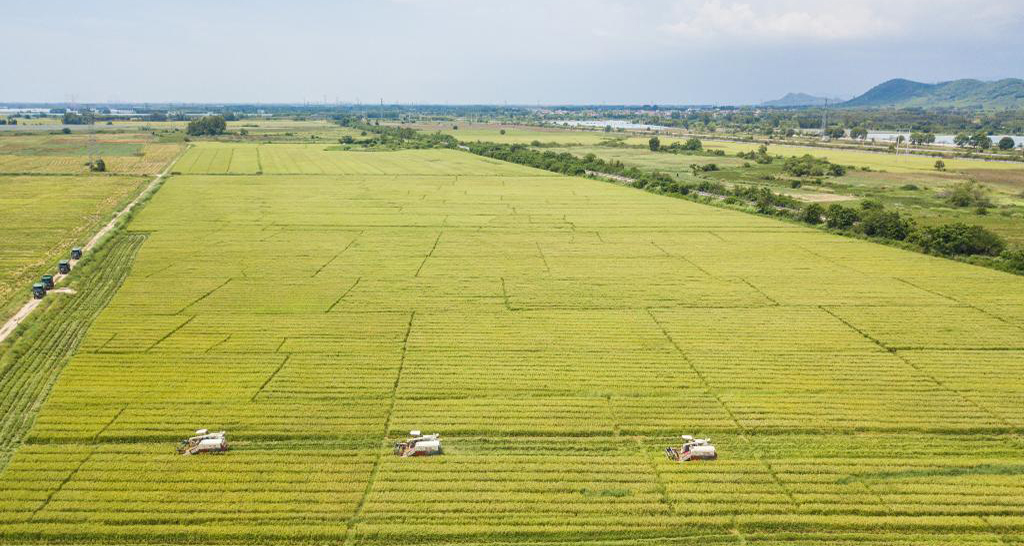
561,52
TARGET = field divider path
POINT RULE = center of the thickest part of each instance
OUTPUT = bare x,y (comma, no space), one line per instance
375,471
21,314
965,304
343,294
276,371
743,432
924,374
96,437
429,254
684,259
59,487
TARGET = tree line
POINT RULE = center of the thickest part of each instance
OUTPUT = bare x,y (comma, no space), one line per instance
870,220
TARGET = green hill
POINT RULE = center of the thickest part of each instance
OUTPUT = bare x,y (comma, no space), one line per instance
796,99
1003,94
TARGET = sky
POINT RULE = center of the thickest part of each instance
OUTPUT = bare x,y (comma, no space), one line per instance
494,52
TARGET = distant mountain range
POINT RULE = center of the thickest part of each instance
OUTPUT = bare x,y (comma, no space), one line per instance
900,93
1002,94
797,99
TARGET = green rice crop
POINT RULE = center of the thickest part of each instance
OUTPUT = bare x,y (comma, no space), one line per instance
558,332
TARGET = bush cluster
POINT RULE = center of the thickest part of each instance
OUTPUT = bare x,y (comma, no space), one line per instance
206,125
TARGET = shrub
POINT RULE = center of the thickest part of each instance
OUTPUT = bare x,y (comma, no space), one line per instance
840,217
959,239
940,165
1014,260
967,194
809,165
878,222
812,214
206,125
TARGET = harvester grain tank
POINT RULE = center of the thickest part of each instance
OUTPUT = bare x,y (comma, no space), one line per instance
76,253
693,449
47,281
38,290
204,441
419,445
64,267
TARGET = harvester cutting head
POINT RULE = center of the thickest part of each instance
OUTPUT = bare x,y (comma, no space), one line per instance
419,445
693,449
204,442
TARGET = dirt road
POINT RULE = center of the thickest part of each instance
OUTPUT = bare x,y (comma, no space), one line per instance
12,323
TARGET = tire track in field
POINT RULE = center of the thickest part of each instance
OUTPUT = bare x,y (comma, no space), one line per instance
41,356
375,471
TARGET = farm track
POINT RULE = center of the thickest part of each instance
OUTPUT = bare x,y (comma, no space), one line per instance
11,324
39,358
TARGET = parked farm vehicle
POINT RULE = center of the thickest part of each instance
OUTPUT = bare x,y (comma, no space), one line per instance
47,281
64,267
419,445
38,290
693,449
204,442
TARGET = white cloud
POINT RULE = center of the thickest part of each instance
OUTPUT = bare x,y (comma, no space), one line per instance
756,22
779,21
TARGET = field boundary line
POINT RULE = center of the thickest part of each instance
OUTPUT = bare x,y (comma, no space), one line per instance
204,296
96,437
218,344
60,486
343,294
895,352
504,295
336,256
271,378
171,333
375,471
968,305
543,257
742,430
429,254
683,258
774,302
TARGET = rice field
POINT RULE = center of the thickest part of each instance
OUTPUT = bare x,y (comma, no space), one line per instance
558,332
43,217
123,153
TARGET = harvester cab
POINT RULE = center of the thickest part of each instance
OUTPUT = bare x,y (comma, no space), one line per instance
38,290
693,449
204,442
419,445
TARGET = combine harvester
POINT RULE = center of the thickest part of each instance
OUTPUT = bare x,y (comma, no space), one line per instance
204,442
693,450
419,445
